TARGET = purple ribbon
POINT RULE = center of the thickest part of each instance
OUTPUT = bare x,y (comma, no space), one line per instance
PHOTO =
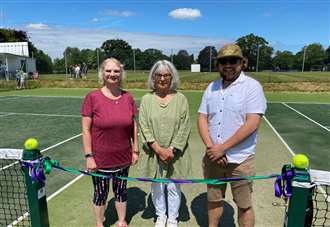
283,184
36,170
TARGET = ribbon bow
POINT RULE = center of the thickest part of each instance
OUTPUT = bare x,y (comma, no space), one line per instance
283,182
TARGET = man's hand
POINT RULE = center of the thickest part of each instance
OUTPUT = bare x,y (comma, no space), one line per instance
215,152
222,161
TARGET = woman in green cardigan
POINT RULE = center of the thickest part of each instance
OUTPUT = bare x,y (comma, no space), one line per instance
164,131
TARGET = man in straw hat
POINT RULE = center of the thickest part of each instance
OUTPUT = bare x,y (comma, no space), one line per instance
229,116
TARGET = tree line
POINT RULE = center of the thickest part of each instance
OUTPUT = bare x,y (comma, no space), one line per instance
256,49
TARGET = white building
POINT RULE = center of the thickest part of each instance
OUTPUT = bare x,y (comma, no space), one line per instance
15,57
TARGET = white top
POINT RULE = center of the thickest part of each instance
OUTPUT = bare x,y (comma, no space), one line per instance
226,111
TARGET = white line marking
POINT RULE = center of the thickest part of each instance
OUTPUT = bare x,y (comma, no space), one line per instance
48,96
308,118
36,114
42,151
289,149
280,137
5,115
309,103
4,99
64,187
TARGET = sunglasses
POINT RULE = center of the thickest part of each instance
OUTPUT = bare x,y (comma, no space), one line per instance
230,61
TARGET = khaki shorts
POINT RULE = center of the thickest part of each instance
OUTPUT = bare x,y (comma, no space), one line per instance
241,190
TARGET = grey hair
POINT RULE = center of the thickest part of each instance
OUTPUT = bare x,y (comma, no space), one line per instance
160,66
118,63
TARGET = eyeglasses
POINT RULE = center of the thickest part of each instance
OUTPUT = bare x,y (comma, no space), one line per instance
165,75
230,61
114,71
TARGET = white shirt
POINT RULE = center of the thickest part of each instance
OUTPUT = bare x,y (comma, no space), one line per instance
226,111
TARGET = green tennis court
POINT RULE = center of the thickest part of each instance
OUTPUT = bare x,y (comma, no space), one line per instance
52,116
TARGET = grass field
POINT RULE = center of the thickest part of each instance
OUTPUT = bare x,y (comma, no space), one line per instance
294,123
187,76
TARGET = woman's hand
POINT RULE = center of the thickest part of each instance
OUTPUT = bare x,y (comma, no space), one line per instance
135,158
165,154
90,164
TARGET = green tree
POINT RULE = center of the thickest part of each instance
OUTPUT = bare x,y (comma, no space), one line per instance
283,60
182,60
43,61
315,55
119,49
59,65
250,45
327,56
150,57
204,58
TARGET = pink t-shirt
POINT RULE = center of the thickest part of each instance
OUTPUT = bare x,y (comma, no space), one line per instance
112,128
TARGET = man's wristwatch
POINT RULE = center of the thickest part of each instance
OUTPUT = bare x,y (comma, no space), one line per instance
89,155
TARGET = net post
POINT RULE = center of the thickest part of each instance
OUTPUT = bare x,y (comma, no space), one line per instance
36,192
298,204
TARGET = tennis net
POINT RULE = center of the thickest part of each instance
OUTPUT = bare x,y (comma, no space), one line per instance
321,197
13,198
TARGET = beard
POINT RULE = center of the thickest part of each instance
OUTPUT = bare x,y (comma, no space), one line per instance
229,74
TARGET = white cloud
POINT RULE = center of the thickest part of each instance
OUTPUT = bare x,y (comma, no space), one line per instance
116,13
95,19
185,14
54,40
37,26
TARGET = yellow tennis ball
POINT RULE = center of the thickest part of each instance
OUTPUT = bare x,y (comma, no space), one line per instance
300,161
31,144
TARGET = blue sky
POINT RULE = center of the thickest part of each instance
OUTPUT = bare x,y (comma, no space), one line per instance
167,25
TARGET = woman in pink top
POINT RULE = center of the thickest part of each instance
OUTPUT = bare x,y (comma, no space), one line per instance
110,138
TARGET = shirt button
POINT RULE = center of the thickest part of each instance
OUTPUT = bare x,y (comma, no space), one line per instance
218,136
220,111
219,123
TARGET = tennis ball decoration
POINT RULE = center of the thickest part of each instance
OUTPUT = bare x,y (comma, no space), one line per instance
31,144
300,161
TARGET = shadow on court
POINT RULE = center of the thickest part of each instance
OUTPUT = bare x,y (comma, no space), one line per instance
199,210
136,203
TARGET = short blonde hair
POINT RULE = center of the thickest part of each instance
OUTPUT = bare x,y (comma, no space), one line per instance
118,63
160,66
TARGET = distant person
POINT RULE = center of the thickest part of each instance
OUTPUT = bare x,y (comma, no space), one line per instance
229,116
23,78
18,79
84,70
77,71
165,129
110,138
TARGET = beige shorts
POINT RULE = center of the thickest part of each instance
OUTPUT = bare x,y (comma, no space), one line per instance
241,190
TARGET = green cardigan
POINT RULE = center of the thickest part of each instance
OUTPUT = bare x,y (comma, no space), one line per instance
169,125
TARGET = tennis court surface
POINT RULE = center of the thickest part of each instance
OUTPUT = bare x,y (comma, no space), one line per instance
55,121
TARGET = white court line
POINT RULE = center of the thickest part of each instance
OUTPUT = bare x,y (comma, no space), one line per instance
289,149
5,115
4,99
280,137
308,118
310,103
36,114
48,96
42,151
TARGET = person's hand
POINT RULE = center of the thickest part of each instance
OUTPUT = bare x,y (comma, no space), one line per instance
90,164
165,154
135,158
222,161
215,152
